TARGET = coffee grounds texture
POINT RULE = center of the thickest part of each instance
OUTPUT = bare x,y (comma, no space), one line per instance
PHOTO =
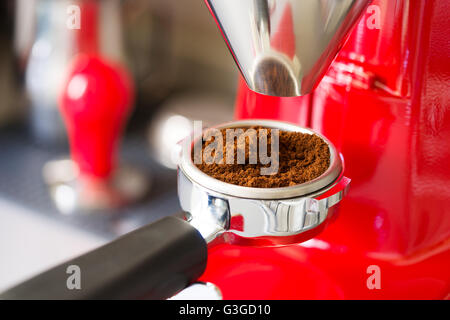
302,158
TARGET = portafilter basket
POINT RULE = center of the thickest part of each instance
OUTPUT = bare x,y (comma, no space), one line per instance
162,258
259,216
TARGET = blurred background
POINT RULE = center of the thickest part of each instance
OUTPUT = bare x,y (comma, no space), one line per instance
149,68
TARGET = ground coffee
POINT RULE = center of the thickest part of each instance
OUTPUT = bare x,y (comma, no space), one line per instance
302,157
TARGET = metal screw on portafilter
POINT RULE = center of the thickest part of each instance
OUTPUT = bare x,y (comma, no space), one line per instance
234,213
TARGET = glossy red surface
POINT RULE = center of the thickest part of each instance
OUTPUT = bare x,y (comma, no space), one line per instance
95,103
385,104
249,104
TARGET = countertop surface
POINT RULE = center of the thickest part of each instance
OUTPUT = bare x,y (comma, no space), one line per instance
35,236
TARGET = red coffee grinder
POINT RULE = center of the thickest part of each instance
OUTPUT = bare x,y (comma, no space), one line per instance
385,104
382,102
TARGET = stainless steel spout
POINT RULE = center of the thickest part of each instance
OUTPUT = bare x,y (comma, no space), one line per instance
284,47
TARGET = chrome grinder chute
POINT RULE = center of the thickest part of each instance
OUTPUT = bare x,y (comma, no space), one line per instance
284,47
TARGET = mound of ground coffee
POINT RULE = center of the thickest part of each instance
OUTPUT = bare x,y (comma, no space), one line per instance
302,157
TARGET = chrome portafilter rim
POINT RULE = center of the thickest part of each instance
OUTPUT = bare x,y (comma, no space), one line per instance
307,189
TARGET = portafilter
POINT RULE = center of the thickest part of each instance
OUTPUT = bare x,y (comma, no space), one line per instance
158,260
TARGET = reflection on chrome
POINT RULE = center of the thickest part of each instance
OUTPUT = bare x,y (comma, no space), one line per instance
283,47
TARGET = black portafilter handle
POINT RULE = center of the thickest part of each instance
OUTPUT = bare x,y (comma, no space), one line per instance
153,262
